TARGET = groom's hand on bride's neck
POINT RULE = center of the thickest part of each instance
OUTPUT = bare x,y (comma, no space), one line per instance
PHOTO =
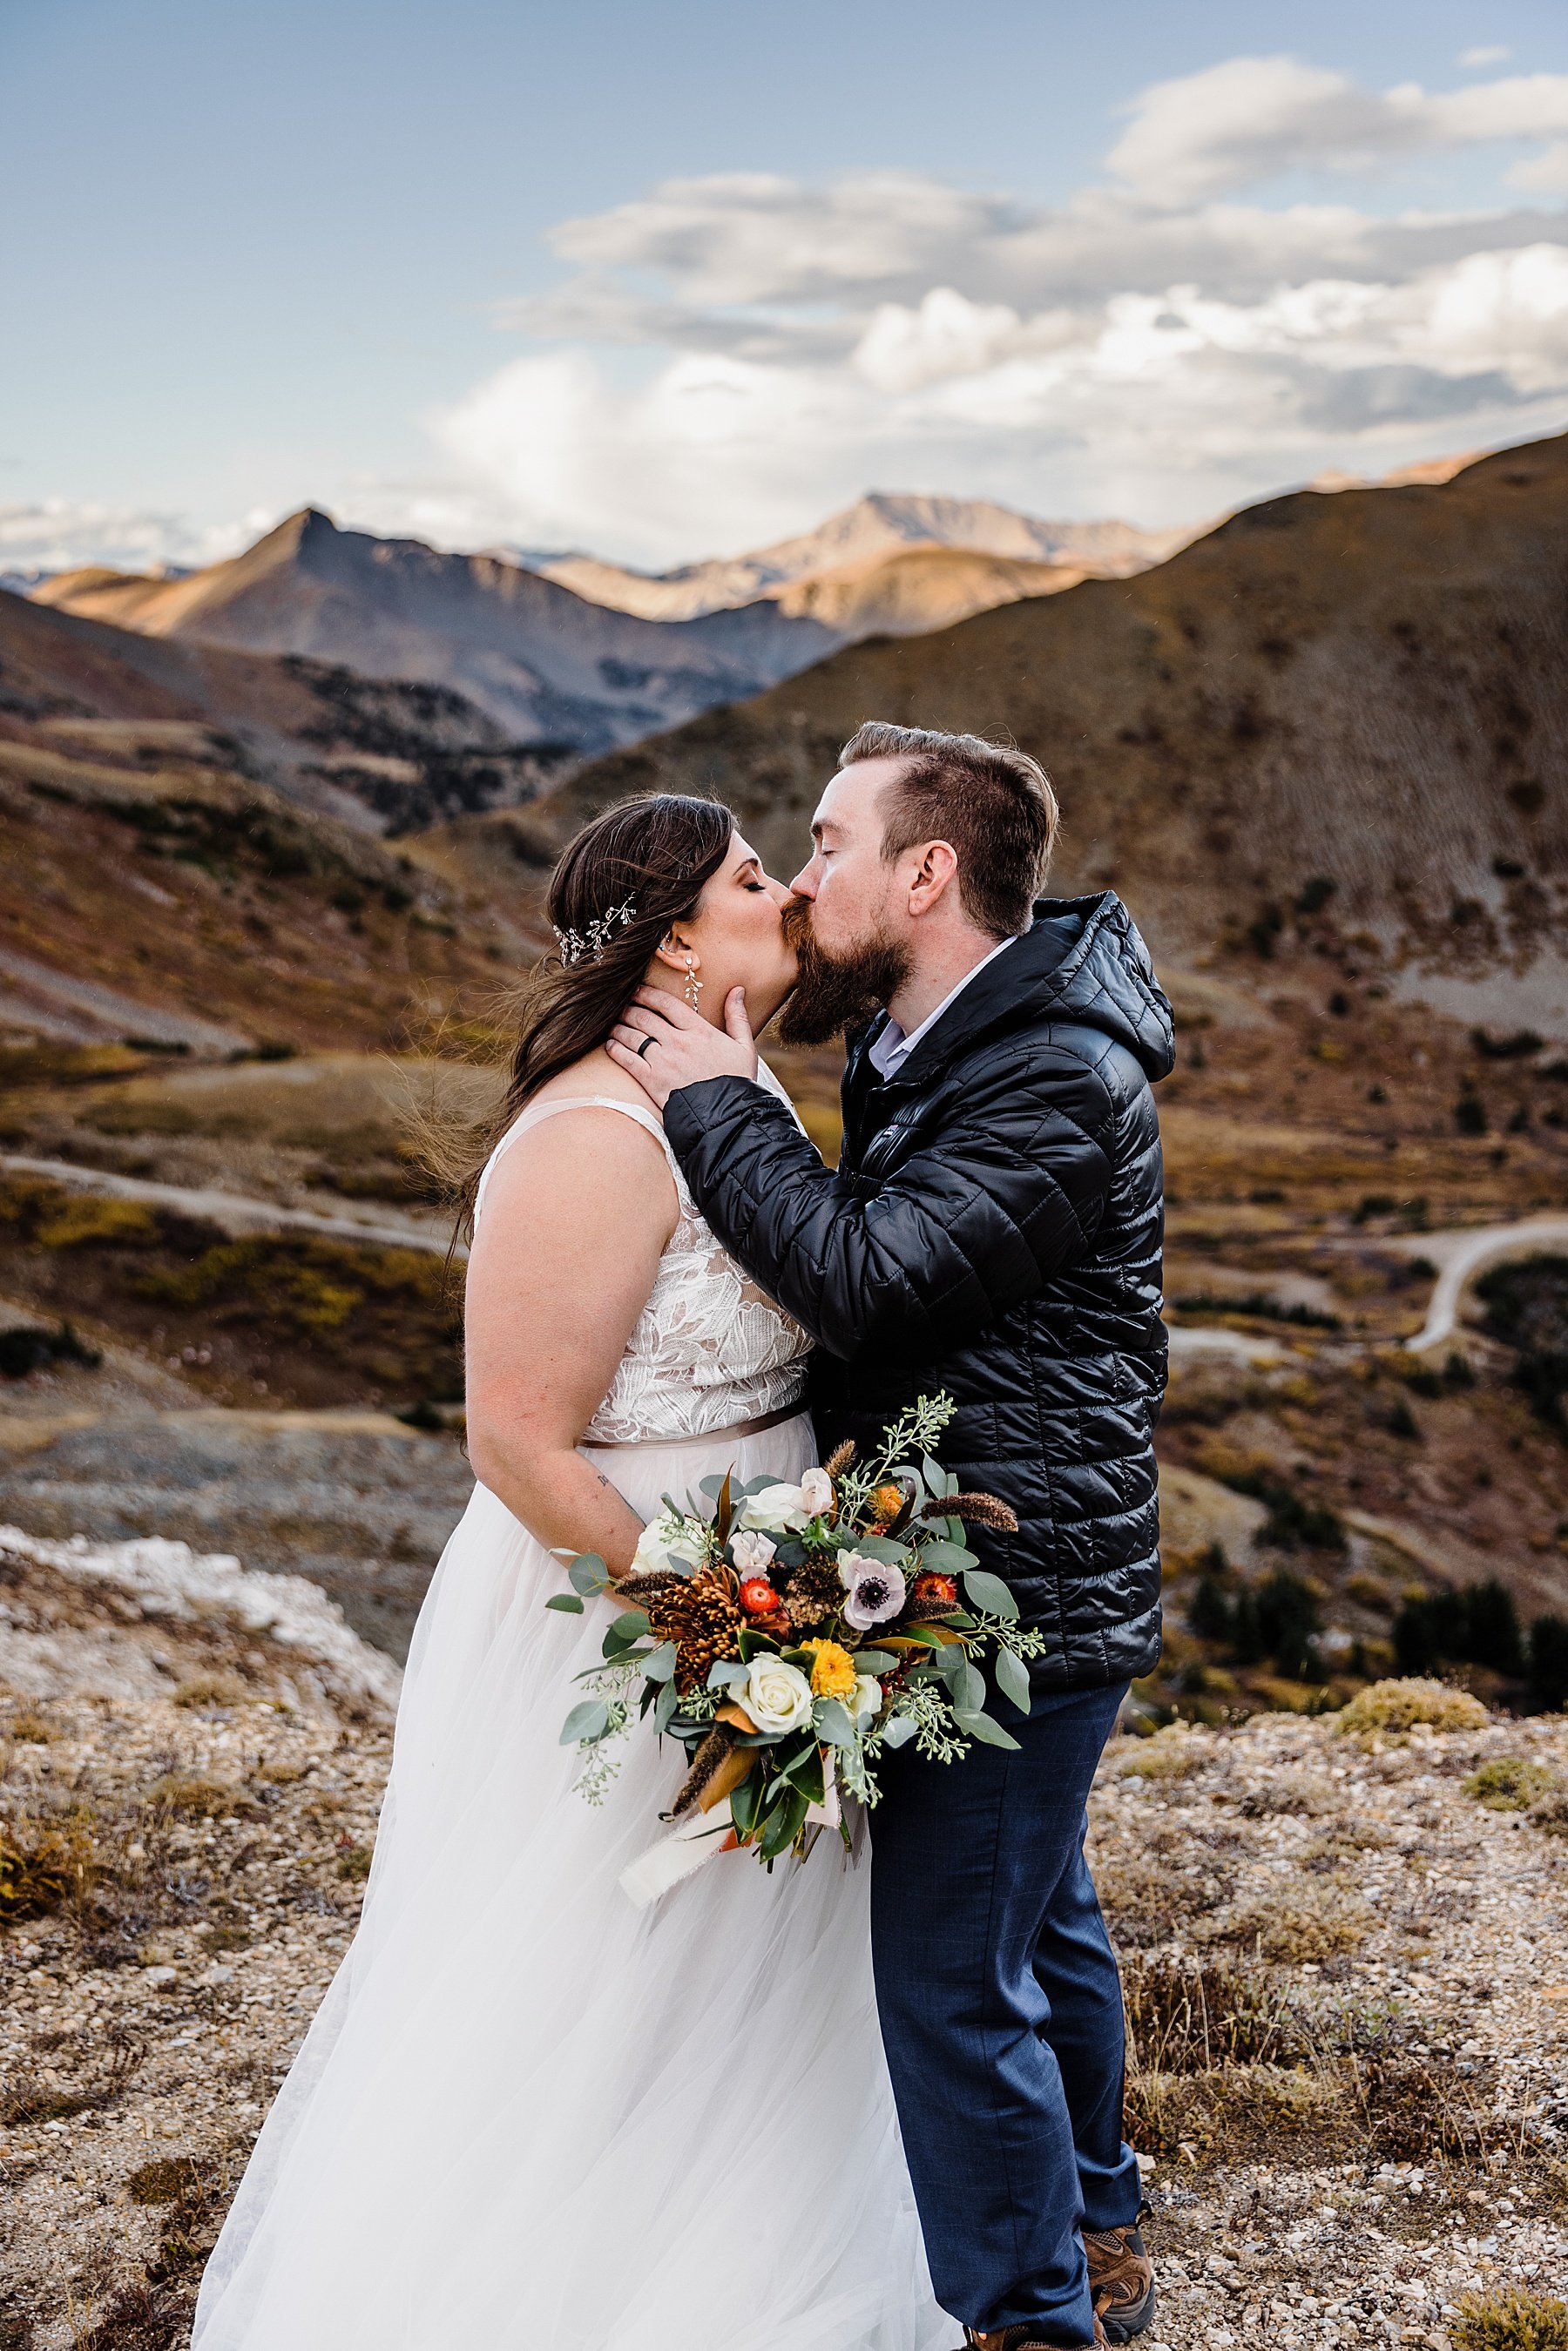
664,1045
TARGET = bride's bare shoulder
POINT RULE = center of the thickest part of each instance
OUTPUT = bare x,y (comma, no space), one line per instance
595,1074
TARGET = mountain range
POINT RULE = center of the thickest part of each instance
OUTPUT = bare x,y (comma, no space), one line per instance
570,657
877,528
549,668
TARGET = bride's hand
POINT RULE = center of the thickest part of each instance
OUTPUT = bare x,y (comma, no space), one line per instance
664,1045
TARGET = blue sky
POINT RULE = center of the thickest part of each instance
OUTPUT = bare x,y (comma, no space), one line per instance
1085,259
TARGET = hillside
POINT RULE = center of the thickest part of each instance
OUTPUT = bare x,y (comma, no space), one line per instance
1365,689
374,753
921,589
876,529
175,865
545,665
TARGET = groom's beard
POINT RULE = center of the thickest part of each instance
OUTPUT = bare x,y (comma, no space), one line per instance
836,992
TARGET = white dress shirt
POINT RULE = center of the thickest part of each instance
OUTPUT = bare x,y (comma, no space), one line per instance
893,1048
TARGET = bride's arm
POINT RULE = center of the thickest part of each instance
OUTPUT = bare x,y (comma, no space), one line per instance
576,1218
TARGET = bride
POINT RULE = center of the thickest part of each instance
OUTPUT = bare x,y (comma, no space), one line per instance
529,2116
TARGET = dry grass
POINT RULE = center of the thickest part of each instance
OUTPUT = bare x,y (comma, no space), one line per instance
1509,1783
1551,1812
1511,2322
210,1689
1399,1706
1169,1754
193,1797
1307,1922
45,1864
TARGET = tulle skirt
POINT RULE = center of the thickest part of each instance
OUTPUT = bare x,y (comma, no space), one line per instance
532,2117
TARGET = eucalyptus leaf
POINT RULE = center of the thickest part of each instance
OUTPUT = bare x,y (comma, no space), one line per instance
900,1731
948,1558
833,1724
713,1486
589,1574
936,1477
727,1673
874,1661
981,1727
989,1592
623,1632
664,1708
969,1693
883,1549
1012,1678
588,1721
566,1602
661,1664
952,1663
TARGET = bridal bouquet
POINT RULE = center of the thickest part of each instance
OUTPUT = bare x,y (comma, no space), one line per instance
789,1636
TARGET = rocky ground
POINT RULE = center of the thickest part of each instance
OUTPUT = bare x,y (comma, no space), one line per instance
1343,1940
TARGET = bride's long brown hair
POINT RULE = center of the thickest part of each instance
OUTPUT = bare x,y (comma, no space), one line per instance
658,854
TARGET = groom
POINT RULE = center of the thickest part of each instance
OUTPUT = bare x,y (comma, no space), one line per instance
993,1229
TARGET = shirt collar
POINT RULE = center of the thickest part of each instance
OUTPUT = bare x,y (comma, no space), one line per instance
892,1048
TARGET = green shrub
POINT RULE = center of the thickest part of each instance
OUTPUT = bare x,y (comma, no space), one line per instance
1400,1705
1509,1783
1514,2320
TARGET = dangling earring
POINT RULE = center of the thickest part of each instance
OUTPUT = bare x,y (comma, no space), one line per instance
694,986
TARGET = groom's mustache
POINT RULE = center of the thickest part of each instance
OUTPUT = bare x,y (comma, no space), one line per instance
834,992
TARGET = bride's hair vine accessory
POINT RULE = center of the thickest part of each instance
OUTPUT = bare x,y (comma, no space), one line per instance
588,947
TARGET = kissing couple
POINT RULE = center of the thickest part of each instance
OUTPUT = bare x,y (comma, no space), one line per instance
815,2108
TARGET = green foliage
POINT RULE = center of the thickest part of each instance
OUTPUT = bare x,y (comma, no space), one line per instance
1399,1704
1509,1783
23,1349
1293,1521
1517,2320
1479,1625
1548,1663
1470,1111
1527,1309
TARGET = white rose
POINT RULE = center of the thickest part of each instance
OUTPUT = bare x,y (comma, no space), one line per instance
815,1492
866,1703
777,1696
752,1554
776,1511
665,1538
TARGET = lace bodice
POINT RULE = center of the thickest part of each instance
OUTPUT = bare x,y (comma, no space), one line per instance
709,1348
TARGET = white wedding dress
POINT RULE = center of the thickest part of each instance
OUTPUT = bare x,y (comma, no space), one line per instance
529,2116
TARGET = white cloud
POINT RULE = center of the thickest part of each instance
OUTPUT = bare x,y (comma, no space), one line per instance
1164,343
1484,56
1251,119
59,534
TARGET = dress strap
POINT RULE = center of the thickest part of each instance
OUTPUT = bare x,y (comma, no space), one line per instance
537,1112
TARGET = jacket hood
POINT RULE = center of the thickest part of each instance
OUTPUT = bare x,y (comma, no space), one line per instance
1082,960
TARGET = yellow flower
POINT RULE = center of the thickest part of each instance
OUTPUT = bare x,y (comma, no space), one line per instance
832,1669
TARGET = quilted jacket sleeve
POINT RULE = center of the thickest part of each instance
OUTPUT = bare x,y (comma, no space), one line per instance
1009,1189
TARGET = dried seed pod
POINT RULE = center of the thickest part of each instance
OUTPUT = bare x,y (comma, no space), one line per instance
974,1509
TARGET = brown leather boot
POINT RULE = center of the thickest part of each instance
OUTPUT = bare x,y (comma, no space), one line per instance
1121,2280
1024,2338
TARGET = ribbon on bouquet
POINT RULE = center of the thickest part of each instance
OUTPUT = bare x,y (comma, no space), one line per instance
697,1837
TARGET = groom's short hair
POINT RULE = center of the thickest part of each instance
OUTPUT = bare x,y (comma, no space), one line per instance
994,804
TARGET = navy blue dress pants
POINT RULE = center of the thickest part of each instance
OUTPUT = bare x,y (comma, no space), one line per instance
1001,2015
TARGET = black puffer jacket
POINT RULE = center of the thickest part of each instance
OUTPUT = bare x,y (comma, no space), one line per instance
994,1229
